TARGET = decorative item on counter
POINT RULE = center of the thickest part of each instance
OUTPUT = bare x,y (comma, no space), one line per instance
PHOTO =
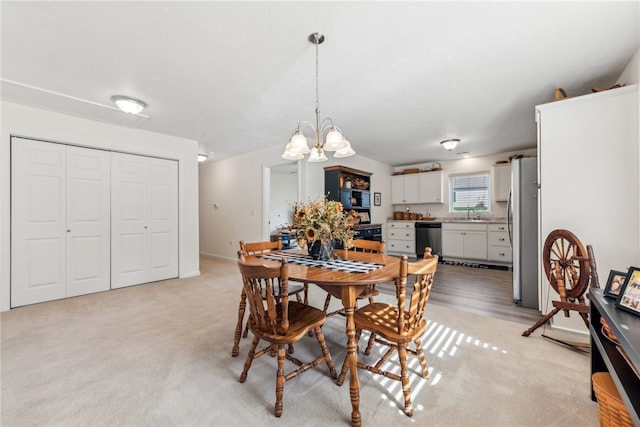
436,166
347,182
397,215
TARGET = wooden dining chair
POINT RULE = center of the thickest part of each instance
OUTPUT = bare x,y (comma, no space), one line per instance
279,322
360,245
256,248
397,325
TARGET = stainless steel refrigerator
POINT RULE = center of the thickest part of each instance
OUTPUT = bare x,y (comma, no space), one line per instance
522,221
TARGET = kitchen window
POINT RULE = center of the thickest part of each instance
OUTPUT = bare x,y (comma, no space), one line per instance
469,191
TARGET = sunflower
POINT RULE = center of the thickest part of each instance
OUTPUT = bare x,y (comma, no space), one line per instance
310,234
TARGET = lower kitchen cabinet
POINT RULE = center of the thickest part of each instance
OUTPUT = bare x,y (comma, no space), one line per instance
401,238
499,248
465,241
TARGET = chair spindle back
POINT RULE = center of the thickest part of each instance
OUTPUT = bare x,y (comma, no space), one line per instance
416,279
267,294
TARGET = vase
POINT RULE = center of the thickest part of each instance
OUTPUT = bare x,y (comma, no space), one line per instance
321,250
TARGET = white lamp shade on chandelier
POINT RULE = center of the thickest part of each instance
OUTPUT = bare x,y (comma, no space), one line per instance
334,140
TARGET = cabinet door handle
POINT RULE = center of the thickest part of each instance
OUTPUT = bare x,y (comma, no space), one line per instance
501,254
501,239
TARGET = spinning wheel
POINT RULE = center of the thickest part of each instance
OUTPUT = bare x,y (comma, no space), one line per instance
570,269
566,264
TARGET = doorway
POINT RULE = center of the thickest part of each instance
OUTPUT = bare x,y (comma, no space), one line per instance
281,190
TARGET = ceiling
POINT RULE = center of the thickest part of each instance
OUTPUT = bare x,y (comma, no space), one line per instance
396,77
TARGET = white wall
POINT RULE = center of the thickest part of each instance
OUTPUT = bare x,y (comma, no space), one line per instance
469,165
235,186
31,122
631,74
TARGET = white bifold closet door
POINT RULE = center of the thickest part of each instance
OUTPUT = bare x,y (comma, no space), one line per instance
144,219
60,221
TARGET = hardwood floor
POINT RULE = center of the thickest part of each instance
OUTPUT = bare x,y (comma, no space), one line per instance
486,292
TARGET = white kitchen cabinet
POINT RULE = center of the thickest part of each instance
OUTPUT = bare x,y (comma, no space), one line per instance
464,240
498,248
430,187
401,238
501,181
404,189
426,187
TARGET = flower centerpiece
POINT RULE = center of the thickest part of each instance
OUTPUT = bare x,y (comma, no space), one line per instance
320,222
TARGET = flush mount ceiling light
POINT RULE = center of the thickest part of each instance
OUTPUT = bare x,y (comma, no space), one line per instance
335,141
450,144
202,157
129,105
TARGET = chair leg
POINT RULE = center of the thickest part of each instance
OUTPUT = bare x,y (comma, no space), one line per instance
325,353
249,359
306,293
327,300
343,371
280,380
421,358
404,376
372,339
236,338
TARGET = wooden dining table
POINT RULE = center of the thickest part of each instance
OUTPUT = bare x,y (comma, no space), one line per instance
346,286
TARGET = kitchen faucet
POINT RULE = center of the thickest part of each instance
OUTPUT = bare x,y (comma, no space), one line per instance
469,210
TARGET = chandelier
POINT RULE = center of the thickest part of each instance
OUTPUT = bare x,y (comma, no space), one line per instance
334,140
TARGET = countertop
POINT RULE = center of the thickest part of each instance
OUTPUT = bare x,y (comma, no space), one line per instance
497,220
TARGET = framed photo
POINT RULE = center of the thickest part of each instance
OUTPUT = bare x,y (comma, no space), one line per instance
614,283
629,298
377,199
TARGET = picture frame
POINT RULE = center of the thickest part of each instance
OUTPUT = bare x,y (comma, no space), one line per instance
629,298
614,283
377,199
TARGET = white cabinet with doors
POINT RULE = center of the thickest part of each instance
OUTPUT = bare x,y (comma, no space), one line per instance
501,182
144,231
464,241
401,238
404,189
60,221
430,187
425,187
85,220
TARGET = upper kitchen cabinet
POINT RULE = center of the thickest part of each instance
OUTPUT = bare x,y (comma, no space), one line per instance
430,187
502,181
404,189
416,188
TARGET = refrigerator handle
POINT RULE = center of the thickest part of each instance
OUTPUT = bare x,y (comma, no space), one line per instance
509,219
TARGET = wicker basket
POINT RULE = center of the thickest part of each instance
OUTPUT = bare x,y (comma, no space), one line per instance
611,409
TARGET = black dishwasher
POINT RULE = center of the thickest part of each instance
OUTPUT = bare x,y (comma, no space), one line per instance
428,234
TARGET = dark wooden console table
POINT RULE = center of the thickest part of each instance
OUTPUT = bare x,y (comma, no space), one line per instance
605,357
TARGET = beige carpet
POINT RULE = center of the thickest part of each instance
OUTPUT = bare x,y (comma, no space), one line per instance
159,355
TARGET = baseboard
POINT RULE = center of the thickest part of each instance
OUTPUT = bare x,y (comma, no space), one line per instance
474,264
